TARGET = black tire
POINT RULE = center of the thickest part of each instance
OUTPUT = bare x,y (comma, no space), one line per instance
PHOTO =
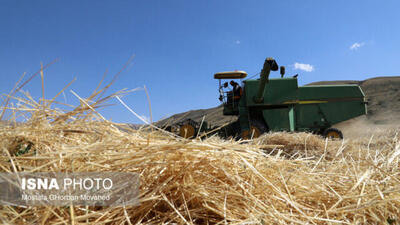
187,131
332,133
257,128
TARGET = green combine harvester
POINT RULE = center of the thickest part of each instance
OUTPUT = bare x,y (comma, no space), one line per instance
264,105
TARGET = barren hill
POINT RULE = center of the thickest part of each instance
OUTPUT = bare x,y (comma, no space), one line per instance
382,93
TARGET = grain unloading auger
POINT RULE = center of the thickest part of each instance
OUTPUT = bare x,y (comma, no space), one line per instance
279,104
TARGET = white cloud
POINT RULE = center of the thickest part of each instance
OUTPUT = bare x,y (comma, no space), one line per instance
237,42
304,67
356,45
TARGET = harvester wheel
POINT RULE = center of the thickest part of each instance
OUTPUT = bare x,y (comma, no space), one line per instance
333,133
186,131
257,128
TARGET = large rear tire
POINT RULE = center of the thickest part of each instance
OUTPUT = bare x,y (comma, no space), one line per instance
257,128
187,131
333,133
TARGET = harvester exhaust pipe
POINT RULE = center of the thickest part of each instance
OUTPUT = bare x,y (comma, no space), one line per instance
269,64
282,71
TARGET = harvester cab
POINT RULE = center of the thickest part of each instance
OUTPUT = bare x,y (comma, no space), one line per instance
230,98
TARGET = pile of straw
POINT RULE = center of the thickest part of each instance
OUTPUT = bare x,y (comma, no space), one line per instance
213,181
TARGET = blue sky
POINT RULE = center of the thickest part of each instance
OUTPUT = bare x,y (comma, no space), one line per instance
179,44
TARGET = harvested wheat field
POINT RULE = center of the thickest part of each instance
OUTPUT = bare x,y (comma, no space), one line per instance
304,179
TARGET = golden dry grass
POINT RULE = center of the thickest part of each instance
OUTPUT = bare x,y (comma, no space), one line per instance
213,181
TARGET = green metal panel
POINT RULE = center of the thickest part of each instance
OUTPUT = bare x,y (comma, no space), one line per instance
329,92
332,104
312,117
277,119
309,117
336,112
243,114
292,118
276,91
310,108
